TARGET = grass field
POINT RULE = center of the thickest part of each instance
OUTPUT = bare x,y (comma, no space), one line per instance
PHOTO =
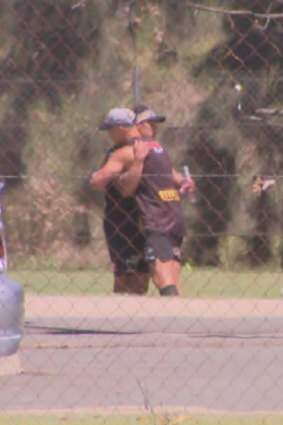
140,420
196,283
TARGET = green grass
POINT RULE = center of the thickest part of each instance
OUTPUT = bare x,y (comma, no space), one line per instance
140,420
227,284
196,283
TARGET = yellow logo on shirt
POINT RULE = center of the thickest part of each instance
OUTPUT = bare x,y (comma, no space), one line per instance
169,195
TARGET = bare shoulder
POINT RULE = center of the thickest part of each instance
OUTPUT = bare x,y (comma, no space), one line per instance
123,154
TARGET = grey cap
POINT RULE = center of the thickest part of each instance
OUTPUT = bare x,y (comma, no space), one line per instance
118,117
148,115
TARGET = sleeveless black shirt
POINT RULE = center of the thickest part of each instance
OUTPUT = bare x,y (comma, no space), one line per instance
121,215
157,196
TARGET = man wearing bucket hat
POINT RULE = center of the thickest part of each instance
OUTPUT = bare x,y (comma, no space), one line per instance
146,172
124,239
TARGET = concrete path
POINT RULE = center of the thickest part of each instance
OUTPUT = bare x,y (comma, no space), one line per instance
141,352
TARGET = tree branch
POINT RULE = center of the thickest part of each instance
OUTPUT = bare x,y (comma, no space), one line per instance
235,12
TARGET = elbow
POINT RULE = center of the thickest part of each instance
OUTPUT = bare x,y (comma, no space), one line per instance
95,182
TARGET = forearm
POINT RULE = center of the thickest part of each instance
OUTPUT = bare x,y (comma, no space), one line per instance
100,180
112,169
129,180
184,184
177,177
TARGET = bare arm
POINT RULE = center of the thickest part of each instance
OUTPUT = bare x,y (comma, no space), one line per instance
177,177
113,167
185,184
129,180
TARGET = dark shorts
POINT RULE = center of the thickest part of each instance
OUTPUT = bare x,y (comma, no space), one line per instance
163,246
127,255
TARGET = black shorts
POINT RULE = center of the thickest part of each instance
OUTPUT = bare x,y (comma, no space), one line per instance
163,246
127,256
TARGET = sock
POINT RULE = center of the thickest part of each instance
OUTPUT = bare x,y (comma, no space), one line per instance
169,291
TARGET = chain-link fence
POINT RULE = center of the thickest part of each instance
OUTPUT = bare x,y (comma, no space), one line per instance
214,69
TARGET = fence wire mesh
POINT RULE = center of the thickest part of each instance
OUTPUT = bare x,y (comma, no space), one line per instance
214,69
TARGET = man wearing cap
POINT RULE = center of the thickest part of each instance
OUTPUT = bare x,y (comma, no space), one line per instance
157,187
147,123
146,172
124,240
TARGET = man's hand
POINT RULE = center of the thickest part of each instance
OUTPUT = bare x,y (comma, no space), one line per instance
261,184
187,186
141,150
